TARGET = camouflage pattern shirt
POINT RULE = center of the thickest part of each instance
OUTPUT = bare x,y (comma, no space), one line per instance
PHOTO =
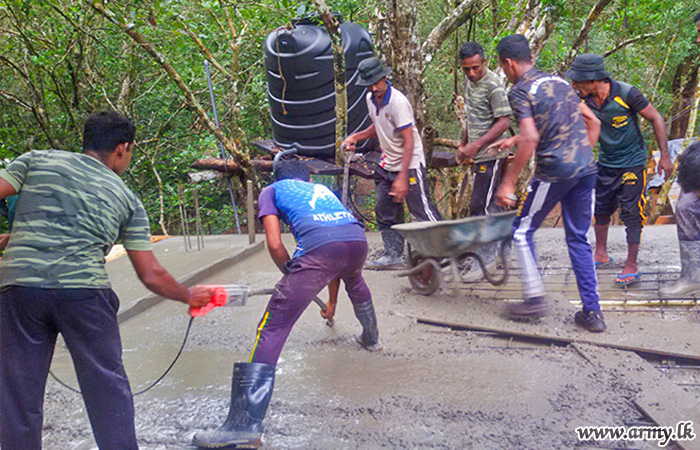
564,151
71,210
486,102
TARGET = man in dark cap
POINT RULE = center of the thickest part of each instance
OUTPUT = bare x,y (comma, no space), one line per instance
401,174
622,157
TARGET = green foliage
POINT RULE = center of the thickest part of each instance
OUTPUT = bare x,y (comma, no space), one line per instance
60,60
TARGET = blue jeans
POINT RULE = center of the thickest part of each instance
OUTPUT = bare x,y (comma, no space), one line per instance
577,199
30,320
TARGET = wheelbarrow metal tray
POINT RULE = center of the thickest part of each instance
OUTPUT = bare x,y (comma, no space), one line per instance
453,238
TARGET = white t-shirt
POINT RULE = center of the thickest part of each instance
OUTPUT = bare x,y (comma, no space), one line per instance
392,116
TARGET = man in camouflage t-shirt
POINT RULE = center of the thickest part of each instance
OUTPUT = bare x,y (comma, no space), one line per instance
71,209
488,119
559,130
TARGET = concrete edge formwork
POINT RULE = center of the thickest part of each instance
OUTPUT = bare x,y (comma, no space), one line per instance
150,300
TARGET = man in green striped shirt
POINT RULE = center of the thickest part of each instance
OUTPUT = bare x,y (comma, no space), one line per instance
488,119
71,209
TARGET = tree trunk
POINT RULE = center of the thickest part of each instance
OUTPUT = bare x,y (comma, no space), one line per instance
685,81
230,166
339,71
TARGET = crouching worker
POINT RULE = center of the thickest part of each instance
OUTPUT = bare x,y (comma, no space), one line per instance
688,222
71,209
331,245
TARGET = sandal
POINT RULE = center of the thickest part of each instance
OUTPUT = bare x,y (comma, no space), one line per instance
623,280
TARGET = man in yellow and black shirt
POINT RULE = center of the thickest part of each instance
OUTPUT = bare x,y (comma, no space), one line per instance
622,155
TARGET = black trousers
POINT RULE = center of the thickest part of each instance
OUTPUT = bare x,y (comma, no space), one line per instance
418,200
623,187
30,320
487,177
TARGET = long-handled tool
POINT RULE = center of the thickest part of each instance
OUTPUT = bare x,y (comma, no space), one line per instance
236,295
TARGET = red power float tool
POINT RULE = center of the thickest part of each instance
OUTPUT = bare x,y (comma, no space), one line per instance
227,295
236,295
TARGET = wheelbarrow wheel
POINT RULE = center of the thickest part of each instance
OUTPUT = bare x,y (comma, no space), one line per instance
428,279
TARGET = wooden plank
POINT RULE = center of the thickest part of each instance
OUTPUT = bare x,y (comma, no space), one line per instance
320,167
659,398
557,339
267,146
443,159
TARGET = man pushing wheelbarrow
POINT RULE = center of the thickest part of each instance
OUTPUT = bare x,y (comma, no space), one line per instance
560,131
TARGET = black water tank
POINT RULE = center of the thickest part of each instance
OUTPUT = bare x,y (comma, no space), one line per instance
301,89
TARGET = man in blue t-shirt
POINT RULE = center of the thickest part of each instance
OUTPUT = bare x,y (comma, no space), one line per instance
559,130
622,158
331,245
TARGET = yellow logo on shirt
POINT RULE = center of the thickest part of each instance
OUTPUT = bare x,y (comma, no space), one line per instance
629,178
482,169
412,180
620,121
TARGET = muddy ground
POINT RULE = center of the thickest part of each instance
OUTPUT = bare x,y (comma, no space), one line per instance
430,388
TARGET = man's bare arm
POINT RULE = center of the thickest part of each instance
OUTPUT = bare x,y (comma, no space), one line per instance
657,121
592,124
273,235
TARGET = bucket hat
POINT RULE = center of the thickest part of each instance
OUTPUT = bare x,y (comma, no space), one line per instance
371,70
588,67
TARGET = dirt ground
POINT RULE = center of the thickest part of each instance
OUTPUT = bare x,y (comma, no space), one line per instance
430,388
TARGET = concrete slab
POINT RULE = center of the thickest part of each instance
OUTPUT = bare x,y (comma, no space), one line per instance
428,389
186,266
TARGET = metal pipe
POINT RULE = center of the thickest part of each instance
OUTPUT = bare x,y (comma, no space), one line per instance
251,212
221,145
198,220
290,151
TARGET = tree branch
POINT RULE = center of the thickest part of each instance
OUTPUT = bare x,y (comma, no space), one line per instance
341,93
629,41
447,26
15,100
241,158
203,48
593,15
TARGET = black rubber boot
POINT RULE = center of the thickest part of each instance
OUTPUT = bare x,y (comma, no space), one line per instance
250,394
370,332
689,281
393,252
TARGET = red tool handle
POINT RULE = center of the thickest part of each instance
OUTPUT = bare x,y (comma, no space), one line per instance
218,299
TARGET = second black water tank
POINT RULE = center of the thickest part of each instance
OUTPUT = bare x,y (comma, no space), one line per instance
301,89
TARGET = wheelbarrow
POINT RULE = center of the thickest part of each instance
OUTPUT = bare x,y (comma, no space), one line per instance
430,244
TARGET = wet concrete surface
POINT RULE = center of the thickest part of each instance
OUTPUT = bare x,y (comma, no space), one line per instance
429,388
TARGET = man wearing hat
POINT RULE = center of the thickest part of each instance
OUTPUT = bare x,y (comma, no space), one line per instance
622,157
401,174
